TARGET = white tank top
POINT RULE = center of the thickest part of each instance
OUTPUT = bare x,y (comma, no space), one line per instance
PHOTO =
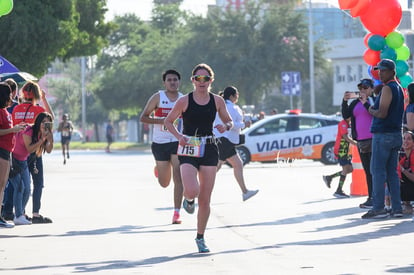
160,133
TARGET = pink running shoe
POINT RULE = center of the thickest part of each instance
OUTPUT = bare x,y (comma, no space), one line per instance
176,218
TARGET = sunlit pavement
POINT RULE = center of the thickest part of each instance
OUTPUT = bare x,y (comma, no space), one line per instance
110,216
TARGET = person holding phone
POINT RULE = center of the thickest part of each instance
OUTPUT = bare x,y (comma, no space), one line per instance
361,121
27,111
34,139
7,141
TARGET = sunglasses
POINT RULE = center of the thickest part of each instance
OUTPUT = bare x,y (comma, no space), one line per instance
363,87
202,78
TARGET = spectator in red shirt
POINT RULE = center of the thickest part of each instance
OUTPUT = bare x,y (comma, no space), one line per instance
7,140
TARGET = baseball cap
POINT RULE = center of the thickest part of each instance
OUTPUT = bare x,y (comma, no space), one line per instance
366,82
385,64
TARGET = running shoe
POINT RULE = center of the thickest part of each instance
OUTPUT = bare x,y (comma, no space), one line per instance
367,204
327,180
202,247
249,194
41,219
176,218
189,206
397,214
340,195
4,224
375,214
21,220
8,216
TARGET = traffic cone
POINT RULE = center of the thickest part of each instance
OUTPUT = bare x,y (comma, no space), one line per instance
359,181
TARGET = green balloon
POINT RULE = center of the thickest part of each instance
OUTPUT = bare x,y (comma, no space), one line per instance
394,39
376,42
403,52
401,67
6,7
388,53
405,80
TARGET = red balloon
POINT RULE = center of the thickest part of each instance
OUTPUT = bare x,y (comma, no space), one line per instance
347,4
372,57
374,73
383,16
366,38
360,8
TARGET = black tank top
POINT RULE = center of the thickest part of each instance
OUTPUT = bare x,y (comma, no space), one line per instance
198,119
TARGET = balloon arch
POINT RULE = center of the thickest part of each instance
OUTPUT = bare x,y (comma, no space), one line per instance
381,18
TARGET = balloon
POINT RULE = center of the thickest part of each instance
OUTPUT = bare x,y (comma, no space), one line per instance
403,52
377,82
388,53
401,67
371,57
394,39
360,8
6,7
366,38
374,73
376,42
405,80
347,4
369,70
383,16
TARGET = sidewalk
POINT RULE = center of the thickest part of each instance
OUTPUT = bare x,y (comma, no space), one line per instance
111,217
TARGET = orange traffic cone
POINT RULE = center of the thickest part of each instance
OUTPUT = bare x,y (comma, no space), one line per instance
359,181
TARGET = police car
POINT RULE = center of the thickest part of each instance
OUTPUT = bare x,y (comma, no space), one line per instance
290,136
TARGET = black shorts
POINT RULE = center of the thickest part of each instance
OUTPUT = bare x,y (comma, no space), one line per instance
65,140
109,139
163,151
4,154
210,157
226,148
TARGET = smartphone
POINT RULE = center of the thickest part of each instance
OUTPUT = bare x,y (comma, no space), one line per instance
354,95
48,126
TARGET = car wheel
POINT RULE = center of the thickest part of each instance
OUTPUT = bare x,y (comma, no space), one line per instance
244,154
328,156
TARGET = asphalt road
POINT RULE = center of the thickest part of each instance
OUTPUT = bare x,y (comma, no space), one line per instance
111,217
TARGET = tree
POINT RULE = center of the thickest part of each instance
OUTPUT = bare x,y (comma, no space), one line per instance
38,31
249,48
137,56
246,48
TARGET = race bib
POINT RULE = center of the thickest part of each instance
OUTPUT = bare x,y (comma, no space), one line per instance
195,148
177,123
196,151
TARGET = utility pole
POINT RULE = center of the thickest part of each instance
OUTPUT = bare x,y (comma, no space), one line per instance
311,60
83,68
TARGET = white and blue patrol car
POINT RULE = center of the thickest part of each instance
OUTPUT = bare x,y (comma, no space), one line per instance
291,136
